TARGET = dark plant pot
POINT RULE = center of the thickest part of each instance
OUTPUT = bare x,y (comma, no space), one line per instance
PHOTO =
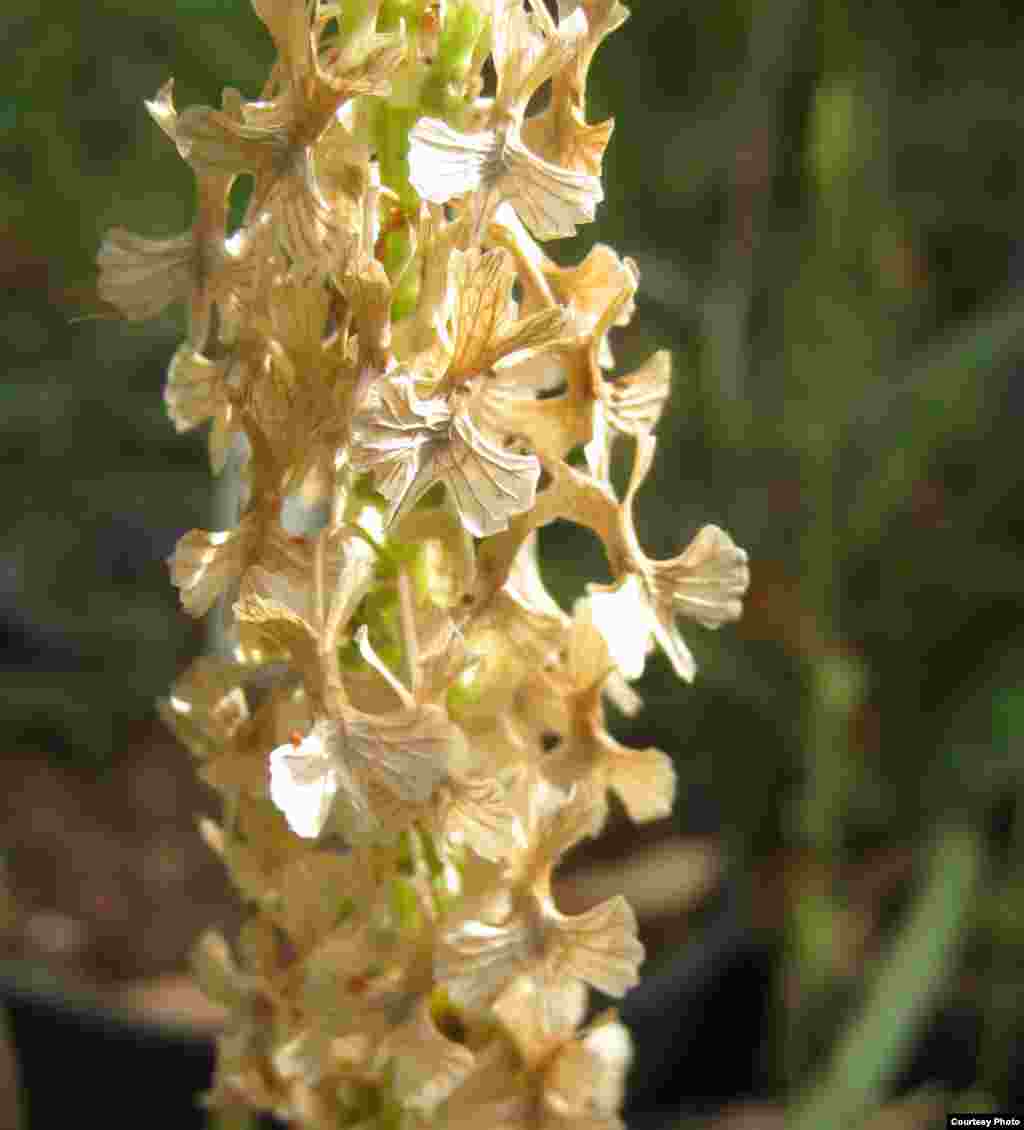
78,1061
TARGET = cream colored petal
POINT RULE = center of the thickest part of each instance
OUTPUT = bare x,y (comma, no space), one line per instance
140,276
552,426
671,642
392,434
475,960
271,631
587,1078
561,135
490,484
634,403
707,581
195,388
495,1096
445,163
205,564
427,1067
407,751
368,291
473,810
526,584
599,947
643,779
588,660
317,891
549,199
528,49
216,144
539,1015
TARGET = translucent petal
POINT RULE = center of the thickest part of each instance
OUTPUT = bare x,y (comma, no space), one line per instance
303,781
140,276
622,615
445,163
550,200
635,402
490,484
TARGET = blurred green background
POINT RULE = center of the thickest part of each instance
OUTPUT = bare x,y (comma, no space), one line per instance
824,201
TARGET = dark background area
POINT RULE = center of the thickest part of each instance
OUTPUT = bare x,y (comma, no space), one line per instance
824,201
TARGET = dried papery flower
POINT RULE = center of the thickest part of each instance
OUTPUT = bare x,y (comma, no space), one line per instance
410,733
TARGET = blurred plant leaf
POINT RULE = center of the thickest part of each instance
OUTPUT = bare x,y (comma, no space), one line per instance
905,989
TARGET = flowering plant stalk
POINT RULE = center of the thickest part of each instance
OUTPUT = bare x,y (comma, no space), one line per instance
410,732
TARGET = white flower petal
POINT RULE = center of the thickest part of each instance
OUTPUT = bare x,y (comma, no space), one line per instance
303,782
623,616
445,163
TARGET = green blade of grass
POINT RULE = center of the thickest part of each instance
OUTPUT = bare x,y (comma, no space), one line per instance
906,987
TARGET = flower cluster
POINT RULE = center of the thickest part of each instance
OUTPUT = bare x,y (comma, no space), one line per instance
410,732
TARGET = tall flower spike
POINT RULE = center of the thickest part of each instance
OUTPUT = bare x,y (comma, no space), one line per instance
410,733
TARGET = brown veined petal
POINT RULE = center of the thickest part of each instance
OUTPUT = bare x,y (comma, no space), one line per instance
550,199
392,434
490,484
472,810
141,276
483,308
599,947
304,223
407,751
